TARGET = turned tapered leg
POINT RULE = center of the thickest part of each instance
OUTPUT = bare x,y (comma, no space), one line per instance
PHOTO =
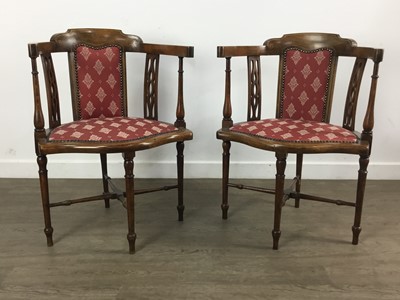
130,199
299,167
44,189
279,187
362,178
226,145
104,171
179,159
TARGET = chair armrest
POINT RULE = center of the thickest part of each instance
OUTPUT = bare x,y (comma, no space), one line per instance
150,100
174,50
229,51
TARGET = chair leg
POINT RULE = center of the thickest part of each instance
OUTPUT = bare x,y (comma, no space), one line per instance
179,159
226,145
362,177
279,187
130,199
104,172
299,167
44,189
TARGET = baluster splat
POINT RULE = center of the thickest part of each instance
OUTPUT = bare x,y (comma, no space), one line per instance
52,91
150,91
254,88
352,94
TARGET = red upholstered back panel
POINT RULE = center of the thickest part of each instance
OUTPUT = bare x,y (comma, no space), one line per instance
99,82
305,84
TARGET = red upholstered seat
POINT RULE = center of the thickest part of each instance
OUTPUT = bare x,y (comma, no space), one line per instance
117,129
288,130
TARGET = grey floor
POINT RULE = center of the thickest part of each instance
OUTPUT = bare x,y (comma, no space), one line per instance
204,257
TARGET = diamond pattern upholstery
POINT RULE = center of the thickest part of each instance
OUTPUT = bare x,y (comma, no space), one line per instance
305,84
299,131
99,82
117,129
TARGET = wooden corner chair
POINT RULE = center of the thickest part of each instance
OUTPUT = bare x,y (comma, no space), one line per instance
101,125
306,79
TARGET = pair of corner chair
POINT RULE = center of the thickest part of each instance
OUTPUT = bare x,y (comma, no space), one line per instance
101,123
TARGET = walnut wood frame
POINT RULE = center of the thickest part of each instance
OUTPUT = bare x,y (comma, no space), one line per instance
94,37
277,47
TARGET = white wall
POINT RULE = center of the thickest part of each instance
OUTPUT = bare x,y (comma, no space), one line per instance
205,25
